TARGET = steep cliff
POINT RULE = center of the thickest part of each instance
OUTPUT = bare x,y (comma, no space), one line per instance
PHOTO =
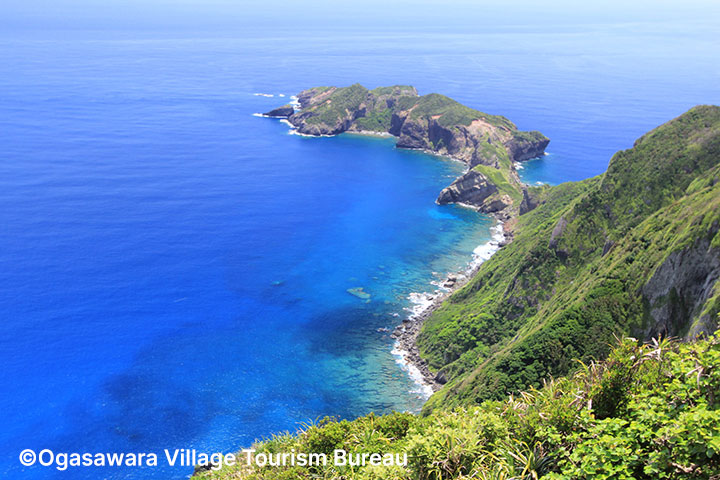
633,251
434,123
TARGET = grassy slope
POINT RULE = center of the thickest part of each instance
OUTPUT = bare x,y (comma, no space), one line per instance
648,412
341,101
451,112
506,183
551,295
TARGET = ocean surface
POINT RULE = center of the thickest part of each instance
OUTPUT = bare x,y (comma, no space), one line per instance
174,271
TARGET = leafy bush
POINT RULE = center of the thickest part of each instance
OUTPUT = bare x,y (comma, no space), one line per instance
665,424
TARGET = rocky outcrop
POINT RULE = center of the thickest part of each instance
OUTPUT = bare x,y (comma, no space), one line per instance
557,233
478,143
471,188
474,188
281,112
679,289
526,146
530,201
434,123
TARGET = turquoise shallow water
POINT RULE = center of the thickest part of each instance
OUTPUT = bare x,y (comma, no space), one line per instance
174,270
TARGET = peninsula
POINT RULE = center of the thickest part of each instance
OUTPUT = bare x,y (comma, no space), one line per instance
489,145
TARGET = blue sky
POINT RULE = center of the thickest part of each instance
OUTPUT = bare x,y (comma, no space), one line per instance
307,16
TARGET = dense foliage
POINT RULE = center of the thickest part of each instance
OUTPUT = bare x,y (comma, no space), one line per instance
648,412
583,268
404,98
448,111
343,99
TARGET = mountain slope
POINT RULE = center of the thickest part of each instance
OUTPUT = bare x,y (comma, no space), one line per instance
633,251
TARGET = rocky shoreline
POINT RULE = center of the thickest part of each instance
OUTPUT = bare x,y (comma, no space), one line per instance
406,333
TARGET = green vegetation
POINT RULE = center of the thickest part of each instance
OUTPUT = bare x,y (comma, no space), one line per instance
399,90
579,269
504,182
375,121
348,100
648,412
448,111
339,105
528,136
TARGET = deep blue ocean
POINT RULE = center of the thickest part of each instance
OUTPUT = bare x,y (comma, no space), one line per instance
174,270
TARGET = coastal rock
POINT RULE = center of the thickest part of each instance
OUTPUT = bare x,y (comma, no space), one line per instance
498,204
472,188
281,112
526,145
478,142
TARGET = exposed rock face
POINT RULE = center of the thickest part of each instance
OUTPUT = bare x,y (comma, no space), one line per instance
478,143
332,110
526,146
679,288
281,112
556,236
434,123
529,202
472,188
557,232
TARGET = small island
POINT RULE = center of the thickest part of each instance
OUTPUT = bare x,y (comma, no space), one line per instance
489,145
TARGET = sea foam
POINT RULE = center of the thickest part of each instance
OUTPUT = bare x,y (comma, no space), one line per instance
422,389
421,302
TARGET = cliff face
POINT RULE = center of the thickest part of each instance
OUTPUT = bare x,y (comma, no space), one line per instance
681,288
484,187
434,123
526,145
473,188
635,251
